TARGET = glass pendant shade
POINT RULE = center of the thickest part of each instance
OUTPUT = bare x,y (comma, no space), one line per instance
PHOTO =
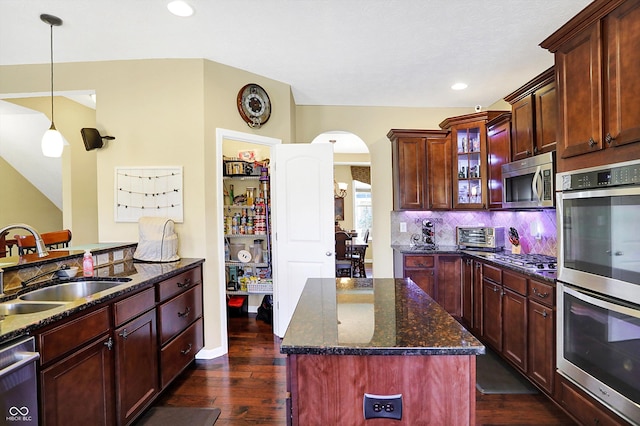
52,142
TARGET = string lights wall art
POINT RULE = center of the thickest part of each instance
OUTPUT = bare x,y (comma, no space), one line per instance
148,191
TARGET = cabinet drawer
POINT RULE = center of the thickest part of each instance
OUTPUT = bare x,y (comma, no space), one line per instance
133,306
583,409
176,314
491,272
542,293
179,283
515,282
72,334
178,354
419,261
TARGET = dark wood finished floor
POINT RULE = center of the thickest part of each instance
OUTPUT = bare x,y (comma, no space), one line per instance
248,385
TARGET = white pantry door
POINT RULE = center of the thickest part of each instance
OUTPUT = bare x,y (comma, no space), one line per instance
303,223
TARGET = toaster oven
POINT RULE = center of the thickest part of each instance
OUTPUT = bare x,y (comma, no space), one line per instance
480,237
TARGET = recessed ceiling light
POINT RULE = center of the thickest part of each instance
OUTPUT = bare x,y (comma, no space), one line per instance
459,86
180,8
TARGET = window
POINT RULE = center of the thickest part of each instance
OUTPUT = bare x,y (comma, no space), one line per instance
362,213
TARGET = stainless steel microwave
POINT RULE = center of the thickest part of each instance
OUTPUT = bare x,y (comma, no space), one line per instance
529,183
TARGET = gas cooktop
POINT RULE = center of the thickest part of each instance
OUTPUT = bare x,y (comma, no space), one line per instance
538,262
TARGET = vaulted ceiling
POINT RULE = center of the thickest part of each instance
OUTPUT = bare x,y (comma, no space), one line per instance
331,52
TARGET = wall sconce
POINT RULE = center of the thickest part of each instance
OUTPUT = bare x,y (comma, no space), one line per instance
339,189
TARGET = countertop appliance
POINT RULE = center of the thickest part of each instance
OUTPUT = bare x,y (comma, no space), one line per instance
598,327
480,237
18,385
528,183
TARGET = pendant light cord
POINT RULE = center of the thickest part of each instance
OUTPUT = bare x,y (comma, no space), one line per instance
51,49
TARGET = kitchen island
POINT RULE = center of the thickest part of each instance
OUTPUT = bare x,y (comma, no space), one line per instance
385,337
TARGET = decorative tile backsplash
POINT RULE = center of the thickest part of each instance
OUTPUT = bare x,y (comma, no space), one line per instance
537,229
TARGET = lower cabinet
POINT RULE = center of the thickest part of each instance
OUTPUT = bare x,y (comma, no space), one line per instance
515,317
79,389
105,366
136,350
77,366
582,407
438,275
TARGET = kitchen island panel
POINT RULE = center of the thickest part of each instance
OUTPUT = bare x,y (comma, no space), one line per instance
438,390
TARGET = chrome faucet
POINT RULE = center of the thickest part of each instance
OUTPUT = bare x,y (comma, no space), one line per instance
40,247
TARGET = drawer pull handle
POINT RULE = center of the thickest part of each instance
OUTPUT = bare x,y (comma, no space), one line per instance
540,295
544,313
124,334
186,283
109,343
186,351
185,313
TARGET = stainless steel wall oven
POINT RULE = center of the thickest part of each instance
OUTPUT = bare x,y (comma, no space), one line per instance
599,283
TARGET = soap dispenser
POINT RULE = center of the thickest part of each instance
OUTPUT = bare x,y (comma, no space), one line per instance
87,264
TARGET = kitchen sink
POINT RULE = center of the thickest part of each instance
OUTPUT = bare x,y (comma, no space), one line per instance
17,308
70,291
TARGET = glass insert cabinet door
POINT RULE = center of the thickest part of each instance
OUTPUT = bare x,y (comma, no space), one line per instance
468,173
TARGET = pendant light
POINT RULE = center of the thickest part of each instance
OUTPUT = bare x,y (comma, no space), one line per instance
52,142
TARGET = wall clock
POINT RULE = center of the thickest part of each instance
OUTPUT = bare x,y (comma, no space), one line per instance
254,105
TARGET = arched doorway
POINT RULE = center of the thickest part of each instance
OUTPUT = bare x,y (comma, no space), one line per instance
352,168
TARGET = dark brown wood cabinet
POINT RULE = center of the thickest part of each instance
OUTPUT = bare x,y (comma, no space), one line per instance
77,365
136,354
467,293
534,121
498,153
422,271
476,327
515,315
492,313
514,319
421,178
583,408
109,357
449,289
439,173
597,65
180,323
469,158
437,275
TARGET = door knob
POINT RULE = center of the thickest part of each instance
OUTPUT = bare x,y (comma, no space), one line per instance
328,253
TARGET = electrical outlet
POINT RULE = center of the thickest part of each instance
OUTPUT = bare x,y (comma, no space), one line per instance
382,406
403,226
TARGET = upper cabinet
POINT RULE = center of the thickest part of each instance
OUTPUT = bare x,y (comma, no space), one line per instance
534,116
597,67
469,140
421,169
498,153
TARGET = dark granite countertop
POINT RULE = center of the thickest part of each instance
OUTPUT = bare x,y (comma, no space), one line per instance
547,276
373,316
409,249
141,275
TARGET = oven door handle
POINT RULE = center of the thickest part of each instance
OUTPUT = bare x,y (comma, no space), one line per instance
602,300
536,184
25,358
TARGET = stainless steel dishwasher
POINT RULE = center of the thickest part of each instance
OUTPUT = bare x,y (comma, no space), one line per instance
18,382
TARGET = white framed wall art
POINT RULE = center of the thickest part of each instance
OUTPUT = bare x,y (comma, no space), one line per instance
148,191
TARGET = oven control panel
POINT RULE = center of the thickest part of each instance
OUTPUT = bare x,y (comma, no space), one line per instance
613,176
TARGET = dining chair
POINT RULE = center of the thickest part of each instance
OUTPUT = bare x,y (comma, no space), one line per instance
52,240
343,254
